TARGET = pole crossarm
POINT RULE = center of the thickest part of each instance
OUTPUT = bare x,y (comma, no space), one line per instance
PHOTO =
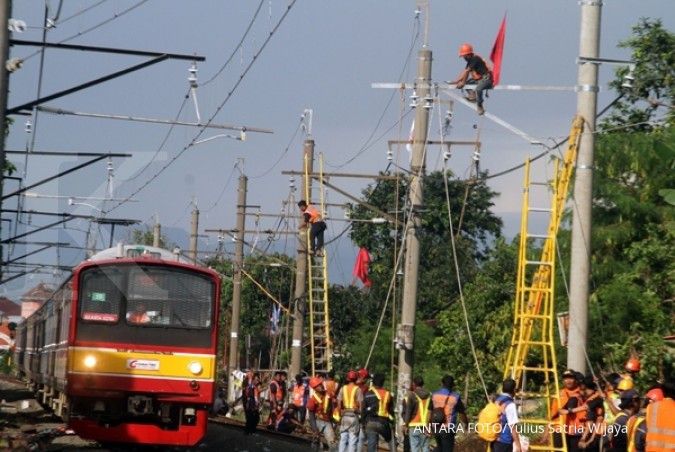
42,228
357,176
69,154
468,86
231,232
56,176
146,53
27,254
61,111
436,142
384,214
80,87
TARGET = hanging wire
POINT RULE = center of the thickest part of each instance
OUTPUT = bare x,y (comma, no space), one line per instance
238,46
242,76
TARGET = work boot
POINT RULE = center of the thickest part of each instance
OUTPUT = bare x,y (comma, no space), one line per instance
470,96
480,110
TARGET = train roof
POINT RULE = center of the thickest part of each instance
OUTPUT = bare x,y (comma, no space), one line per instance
137,250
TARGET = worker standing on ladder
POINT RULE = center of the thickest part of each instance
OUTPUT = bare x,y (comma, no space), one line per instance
317,226
477,71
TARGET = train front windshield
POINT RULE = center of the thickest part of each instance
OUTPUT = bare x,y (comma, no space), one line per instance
140,303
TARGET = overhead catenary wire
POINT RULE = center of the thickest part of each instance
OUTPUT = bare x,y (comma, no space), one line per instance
283,154
94,27
164,141
242,76
79,13
237,47
367,144
455,261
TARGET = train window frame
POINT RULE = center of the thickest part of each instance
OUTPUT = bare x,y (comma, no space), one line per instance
150,323
80,304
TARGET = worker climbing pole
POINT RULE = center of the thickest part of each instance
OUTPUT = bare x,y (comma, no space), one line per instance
531,358
317,276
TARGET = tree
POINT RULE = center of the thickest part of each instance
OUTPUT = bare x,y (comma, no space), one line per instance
145,236
652,50
479,228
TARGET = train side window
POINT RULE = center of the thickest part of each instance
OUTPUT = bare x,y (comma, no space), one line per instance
100,295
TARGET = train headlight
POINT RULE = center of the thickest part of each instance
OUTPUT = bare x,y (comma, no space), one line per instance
90,361
195,367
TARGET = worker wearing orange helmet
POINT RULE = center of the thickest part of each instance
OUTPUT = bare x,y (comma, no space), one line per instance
349,402
476,71
362,377
319,407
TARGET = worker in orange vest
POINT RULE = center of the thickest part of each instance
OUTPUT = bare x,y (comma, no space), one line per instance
637,429
362,377
477,71
417,415
660,420
276,398
320,409
299,394
139,315
251,400
317,226
349,401
570,398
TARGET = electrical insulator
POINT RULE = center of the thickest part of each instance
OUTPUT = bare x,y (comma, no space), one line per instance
29,127
192,78
390,155
446,155
291,183
476,156
413,99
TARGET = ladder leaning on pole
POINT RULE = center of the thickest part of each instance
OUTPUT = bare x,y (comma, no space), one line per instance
321,349
531,360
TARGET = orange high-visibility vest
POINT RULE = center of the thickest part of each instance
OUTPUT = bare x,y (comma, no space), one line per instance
314,215
383,396
422,414
278,393
322,404
660,426
298,395
331,387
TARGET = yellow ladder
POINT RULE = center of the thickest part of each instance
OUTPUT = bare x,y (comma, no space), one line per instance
321,347
531,358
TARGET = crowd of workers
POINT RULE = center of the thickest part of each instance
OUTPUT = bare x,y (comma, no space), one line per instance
589,415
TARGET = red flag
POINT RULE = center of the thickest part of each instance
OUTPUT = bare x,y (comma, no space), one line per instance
498,52
361,267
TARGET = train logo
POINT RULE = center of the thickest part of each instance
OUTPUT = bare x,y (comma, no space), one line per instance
142,364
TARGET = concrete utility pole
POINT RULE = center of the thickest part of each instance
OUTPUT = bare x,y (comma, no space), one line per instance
233,362
194,234
580,268
300,295
156,235
5,12
406,329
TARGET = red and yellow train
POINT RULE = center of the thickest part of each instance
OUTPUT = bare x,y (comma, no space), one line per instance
125,349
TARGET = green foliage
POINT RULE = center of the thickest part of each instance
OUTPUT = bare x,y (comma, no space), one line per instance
653,51
489,302
8,167
145,236
479,228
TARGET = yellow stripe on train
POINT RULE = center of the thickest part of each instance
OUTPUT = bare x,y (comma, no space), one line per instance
113,361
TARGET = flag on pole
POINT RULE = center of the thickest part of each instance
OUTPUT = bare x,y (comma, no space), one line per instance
498,52
361,267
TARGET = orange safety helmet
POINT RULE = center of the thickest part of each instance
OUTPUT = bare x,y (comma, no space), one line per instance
633,364
655,395
363,373
351,375
465,49
314,382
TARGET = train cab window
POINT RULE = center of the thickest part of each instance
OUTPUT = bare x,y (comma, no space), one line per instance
101,295
158,296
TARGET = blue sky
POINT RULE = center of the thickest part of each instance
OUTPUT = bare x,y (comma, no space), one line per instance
324,56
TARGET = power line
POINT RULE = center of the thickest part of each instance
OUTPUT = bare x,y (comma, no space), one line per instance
79,13
94,27
236,49
366,145
220,107
290,143
166,137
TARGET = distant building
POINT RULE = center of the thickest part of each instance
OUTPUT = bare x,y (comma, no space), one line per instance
8,308
33,299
